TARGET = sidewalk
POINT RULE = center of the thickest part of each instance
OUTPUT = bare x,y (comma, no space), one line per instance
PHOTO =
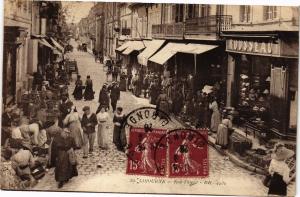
233,158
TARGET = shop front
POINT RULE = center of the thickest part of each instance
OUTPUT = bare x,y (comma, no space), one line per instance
262,81
202,64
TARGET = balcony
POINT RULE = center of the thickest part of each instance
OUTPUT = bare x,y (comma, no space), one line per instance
125,31
172,30
208,25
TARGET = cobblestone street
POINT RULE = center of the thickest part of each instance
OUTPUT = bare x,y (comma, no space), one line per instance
227,175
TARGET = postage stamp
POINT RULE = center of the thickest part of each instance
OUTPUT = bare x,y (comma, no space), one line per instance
188,153
145,155
174,153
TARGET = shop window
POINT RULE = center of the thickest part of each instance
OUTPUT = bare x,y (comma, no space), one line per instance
254,85
245,12
270,12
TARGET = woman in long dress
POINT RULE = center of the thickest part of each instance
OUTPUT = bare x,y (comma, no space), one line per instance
215,117
123,82
119,136
72,121
78,89
102,134
162,102
89,92
223,133
64,169
279,170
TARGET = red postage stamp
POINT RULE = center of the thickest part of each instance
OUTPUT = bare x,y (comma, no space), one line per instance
188,153
175,153
147,152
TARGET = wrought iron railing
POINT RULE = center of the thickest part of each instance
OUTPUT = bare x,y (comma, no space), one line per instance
208,24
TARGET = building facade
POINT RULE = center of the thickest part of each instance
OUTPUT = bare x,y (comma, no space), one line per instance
111,29
28,28
263,60
17,29
243,49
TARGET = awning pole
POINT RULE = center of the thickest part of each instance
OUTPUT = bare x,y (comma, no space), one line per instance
195,61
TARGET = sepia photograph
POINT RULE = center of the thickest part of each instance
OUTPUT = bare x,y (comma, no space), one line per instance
149,97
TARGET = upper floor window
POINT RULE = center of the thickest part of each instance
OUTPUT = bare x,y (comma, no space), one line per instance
192,10
177,12
204,10
245,12
270,12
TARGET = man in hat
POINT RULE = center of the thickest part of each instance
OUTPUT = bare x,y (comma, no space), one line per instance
114,95
88,123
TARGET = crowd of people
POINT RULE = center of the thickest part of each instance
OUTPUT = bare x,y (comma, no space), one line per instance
41,145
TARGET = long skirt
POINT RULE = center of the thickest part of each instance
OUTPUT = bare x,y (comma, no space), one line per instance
119,137
163,108
77,93
215,121
222,136
122,84
102,135
75,130
88,93
277,185
64,169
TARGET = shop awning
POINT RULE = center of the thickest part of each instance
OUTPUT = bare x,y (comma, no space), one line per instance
57,52
135,46
124,46
46,43
167,52
57,45
196,48
152,47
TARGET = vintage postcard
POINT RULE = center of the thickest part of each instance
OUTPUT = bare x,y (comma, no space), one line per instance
161,98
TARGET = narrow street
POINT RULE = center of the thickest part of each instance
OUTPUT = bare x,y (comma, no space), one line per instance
222,172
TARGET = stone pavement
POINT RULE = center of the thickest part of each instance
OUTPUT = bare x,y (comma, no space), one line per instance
111,176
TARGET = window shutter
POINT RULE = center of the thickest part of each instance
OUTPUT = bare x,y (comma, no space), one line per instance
196,11
265,12
173,12
274,11
242,9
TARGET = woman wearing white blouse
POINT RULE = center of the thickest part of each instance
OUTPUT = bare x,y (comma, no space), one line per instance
102,133
72,121
279,170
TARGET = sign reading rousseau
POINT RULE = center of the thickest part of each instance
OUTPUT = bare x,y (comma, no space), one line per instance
253,47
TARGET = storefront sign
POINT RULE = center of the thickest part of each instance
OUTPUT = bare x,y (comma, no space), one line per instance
252,47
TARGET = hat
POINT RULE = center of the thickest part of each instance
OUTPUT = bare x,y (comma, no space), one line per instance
252,91
86,108
266,91
244,76
282,154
